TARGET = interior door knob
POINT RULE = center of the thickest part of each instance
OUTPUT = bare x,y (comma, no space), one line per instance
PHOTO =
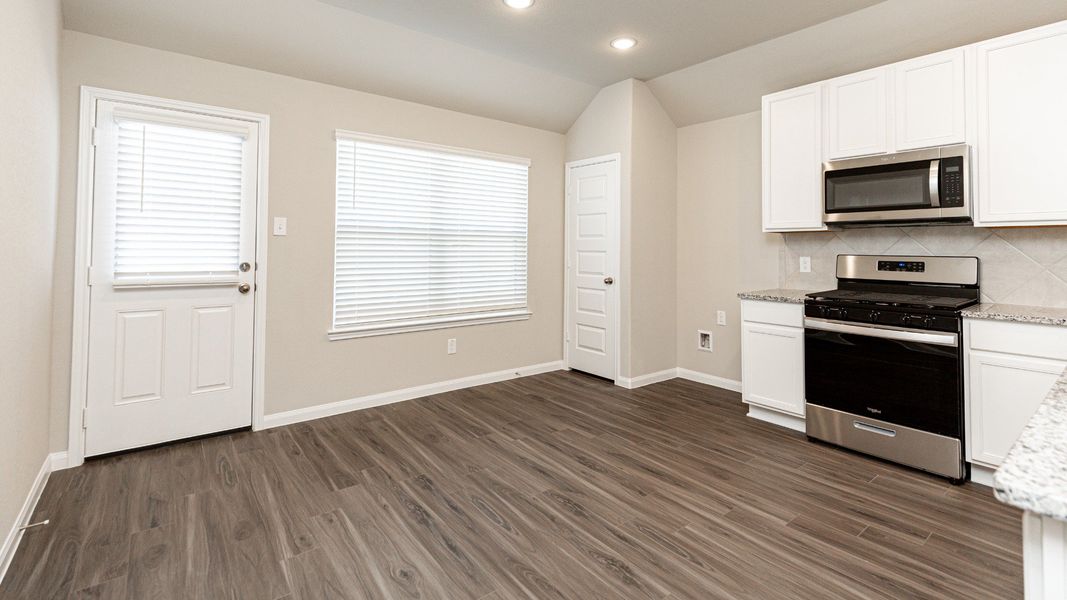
244,288
609,280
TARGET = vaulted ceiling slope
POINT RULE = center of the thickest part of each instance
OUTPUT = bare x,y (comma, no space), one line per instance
541,67
884,33
321,42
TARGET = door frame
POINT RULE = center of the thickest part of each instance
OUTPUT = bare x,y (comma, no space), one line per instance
79,354
616,225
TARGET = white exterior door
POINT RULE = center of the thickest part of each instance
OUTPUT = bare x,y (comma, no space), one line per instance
171,302
592,266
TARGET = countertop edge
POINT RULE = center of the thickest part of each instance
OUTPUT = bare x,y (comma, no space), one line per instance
1033,477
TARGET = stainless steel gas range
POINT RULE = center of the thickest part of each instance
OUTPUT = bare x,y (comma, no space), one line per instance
884,359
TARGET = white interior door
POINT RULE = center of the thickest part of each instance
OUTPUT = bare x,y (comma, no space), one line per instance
592,266
171,301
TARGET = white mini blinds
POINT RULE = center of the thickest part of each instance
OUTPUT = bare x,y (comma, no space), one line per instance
177,204
426,236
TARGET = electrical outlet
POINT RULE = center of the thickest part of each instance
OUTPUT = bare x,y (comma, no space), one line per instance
805,264
281,226
720,317
705,341
451,345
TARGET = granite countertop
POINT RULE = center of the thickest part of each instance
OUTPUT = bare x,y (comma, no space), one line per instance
1034,474
1021,314
776,295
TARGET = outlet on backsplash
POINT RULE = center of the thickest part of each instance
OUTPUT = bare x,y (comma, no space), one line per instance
805,264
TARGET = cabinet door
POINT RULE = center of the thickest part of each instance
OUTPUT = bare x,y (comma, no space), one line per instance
792,159
930,98
1022,128
857,114
1005,391
772,365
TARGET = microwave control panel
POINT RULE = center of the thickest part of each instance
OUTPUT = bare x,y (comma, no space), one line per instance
952,182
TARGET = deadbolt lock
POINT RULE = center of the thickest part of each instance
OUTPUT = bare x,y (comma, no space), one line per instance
244,267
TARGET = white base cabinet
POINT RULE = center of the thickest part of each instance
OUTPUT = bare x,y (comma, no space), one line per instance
772,356
1010,369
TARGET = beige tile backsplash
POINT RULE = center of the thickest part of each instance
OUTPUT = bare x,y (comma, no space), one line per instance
1026,265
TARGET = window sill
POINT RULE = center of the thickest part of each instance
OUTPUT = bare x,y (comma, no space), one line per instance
428,325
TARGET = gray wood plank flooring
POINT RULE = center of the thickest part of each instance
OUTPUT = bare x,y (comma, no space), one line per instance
553,486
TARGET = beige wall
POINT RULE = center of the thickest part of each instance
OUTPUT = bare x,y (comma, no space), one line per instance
606,127
652,235
625,118
721,248
29,146
303,367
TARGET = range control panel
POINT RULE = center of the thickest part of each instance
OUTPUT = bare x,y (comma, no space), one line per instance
951,182
913,266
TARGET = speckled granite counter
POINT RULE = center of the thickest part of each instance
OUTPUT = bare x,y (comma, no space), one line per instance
1034,474
1018,313
776,295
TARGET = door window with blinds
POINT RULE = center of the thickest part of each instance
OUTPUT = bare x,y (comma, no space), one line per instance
426,236
180,186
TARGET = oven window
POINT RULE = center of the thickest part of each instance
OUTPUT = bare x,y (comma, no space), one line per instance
885,187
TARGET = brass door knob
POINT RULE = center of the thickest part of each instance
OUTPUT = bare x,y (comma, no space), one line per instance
244,288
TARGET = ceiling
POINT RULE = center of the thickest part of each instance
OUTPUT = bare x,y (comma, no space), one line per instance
704,59
571,37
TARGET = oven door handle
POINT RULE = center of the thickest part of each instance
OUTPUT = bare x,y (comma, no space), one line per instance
888,333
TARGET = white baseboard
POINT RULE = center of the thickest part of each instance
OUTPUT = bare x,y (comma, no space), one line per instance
631,383
776,418
362,402
58,461
732,385
982,475
13,537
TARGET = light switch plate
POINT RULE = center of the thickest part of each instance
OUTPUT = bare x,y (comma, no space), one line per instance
805,264
281,226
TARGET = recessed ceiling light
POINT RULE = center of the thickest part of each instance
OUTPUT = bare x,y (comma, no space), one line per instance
623,43
519,4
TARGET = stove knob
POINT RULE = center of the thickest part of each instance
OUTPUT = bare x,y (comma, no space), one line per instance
875,316
928,322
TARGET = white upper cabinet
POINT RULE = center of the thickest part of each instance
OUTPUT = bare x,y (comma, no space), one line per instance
930,98
857,114
792,155
1022,128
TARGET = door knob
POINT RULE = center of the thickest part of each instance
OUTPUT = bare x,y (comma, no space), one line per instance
609,280
244,288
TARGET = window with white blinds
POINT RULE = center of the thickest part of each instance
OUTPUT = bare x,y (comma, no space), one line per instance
177,204
426,236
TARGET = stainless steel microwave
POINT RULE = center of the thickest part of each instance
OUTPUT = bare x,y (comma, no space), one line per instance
919,186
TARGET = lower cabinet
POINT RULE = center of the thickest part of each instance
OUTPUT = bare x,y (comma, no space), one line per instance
1011,367
772,356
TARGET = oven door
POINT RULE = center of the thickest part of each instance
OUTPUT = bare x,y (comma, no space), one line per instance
896,375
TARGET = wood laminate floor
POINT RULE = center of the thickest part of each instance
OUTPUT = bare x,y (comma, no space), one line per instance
552,486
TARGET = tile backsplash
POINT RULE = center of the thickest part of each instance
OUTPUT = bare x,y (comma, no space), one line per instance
1025,265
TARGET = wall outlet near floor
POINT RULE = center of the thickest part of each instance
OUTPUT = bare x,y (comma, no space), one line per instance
451,345
720,317
805,264
705,341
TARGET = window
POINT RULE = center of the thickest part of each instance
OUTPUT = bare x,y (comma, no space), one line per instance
426,237
178,199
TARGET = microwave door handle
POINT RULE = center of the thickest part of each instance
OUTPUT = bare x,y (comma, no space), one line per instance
935,185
